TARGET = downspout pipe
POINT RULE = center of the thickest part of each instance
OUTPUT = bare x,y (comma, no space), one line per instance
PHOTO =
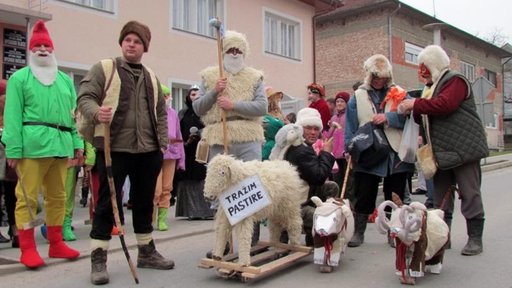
502,124
390,40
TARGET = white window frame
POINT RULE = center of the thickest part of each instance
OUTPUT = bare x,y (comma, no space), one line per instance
488,74
100,5
75,74
282,35
193,15
468,70
413,51
178,93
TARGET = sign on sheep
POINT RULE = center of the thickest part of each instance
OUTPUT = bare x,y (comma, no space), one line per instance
244,199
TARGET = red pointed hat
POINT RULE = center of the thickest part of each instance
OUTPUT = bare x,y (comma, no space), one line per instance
40,36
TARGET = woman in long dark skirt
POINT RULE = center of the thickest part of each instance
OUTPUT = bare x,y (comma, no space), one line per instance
189,183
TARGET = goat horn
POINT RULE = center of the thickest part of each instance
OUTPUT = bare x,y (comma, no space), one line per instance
382,220
412,226
418,205
401,216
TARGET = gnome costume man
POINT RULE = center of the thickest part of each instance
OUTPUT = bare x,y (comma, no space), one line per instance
40,136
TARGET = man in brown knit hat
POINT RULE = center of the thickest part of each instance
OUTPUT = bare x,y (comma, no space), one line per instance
135,108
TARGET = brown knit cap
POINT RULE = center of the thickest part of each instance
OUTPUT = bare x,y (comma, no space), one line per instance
138,28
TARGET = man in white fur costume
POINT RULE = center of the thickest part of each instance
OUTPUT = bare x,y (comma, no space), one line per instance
241,94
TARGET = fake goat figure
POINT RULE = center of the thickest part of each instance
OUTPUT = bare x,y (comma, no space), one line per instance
421,236
285,190
333,227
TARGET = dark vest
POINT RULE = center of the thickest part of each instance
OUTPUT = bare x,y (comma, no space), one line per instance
457,138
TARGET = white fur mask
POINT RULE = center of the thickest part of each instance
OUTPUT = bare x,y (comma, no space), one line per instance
44,68
234,63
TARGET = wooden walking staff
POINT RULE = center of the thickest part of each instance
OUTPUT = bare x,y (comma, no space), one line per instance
113,199
347,172
217,24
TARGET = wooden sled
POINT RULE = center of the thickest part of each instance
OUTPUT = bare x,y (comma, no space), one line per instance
266,259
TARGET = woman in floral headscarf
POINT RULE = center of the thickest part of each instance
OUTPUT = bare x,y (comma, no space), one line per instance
273,121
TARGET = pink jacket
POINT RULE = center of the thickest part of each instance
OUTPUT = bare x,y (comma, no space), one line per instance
175,148
338,142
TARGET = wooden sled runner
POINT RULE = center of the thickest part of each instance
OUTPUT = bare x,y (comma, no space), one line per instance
267,259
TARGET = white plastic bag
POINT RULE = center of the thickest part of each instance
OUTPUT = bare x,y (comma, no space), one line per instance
409,142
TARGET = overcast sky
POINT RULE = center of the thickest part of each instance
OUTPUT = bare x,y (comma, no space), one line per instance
477,17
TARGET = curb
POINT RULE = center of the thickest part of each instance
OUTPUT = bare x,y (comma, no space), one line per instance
496,165
17,267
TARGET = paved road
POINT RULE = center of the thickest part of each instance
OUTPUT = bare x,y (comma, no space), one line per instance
370,265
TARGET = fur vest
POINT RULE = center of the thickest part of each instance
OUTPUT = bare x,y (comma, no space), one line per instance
241,128
457,138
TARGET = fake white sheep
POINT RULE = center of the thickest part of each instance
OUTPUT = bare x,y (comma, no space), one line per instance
285,189
333,227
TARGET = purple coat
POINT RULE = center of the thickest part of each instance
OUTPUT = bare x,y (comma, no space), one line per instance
175,148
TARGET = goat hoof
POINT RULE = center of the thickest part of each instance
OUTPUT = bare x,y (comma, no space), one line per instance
326,269
408,280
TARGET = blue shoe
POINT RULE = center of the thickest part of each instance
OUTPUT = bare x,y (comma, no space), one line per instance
44,231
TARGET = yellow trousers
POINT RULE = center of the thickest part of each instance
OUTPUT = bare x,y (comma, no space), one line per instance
47,175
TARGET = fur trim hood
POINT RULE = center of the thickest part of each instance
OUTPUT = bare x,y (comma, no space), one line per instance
377,65
436,60
233,39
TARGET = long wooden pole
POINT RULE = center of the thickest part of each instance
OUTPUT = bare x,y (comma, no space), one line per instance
347,173
221,75
113,199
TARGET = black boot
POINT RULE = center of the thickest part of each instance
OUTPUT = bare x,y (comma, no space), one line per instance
310,240
150,258
85,195
13,233
226,251
360,222
99,274
448,220
3,239
475,230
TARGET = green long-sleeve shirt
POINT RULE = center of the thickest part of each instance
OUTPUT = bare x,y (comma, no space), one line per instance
27,99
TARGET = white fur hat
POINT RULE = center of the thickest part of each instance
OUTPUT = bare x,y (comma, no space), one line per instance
309,117
436,60
233,39
377,65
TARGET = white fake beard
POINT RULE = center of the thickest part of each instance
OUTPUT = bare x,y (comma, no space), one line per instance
234,64
43,68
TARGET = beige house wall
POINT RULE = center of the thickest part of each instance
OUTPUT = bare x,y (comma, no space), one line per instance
82,36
